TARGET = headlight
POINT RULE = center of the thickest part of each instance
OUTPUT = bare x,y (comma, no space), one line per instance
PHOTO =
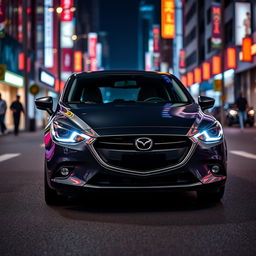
211,134
232,112
251,112
67,135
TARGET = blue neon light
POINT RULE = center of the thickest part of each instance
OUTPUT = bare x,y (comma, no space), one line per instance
69,139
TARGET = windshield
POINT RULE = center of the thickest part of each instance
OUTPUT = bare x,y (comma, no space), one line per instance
125,88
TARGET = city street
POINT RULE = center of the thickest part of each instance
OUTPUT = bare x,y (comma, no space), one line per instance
117,224
135,96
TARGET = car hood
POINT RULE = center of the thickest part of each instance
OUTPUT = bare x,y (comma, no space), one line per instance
139,118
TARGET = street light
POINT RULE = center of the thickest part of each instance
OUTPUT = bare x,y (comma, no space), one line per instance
74,37
59,10
77,37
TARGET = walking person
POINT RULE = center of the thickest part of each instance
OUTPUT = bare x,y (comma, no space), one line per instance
241,104
3,108
16,108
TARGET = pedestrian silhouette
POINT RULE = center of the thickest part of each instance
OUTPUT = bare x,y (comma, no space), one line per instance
241,104
16,108
3,108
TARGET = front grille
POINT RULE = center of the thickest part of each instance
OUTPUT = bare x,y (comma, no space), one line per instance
102,179
121,152
128,142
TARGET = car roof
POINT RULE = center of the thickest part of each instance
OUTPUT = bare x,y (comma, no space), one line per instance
119,72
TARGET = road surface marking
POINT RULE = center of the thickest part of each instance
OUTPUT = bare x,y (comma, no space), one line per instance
5,157
243,153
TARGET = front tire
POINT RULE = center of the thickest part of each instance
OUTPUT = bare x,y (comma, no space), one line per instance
211,195
50,195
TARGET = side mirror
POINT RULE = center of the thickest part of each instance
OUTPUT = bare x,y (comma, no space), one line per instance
205,102
45,103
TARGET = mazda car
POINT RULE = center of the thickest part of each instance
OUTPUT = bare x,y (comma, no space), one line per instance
131,131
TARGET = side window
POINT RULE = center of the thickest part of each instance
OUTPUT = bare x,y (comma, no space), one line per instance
71,93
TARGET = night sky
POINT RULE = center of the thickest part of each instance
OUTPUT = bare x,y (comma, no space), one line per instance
120,19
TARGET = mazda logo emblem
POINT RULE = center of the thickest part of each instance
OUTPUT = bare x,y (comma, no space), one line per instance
144,143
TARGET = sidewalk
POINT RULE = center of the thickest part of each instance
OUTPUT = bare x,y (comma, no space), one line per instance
22,137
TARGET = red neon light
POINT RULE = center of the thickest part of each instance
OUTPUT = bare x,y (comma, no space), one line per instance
78,61
231,57
198,75
182,63
66,14
216,65
206,71
184,80
28,64
21,58
246,49
57,85
216,20
156,38
190,78
92,45
92,42
168,18
93,64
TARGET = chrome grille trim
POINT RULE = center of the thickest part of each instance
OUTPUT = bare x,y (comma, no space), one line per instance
169,143
116,143
143,173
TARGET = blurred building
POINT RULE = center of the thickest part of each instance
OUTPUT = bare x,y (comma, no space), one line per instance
202,43
12,56
245,73
145,35
91,41
178,67
41,43
154,52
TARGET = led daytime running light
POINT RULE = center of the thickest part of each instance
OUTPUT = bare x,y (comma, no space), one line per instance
74,137
205,136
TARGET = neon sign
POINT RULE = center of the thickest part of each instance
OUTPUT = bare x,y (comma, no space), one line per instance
168,19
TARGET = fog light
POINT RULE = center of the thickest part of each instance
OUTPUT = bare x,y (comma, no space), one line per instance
64,171
215,169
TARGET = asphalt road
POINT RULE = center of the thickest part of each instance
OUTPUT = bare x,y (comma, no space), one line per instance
150,224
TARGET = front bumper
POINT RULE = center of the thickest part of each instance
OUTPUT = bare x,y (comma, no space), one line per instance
87,174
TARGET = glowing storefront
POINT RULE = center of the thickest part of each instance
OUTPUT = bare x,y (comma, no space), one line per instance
9,88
